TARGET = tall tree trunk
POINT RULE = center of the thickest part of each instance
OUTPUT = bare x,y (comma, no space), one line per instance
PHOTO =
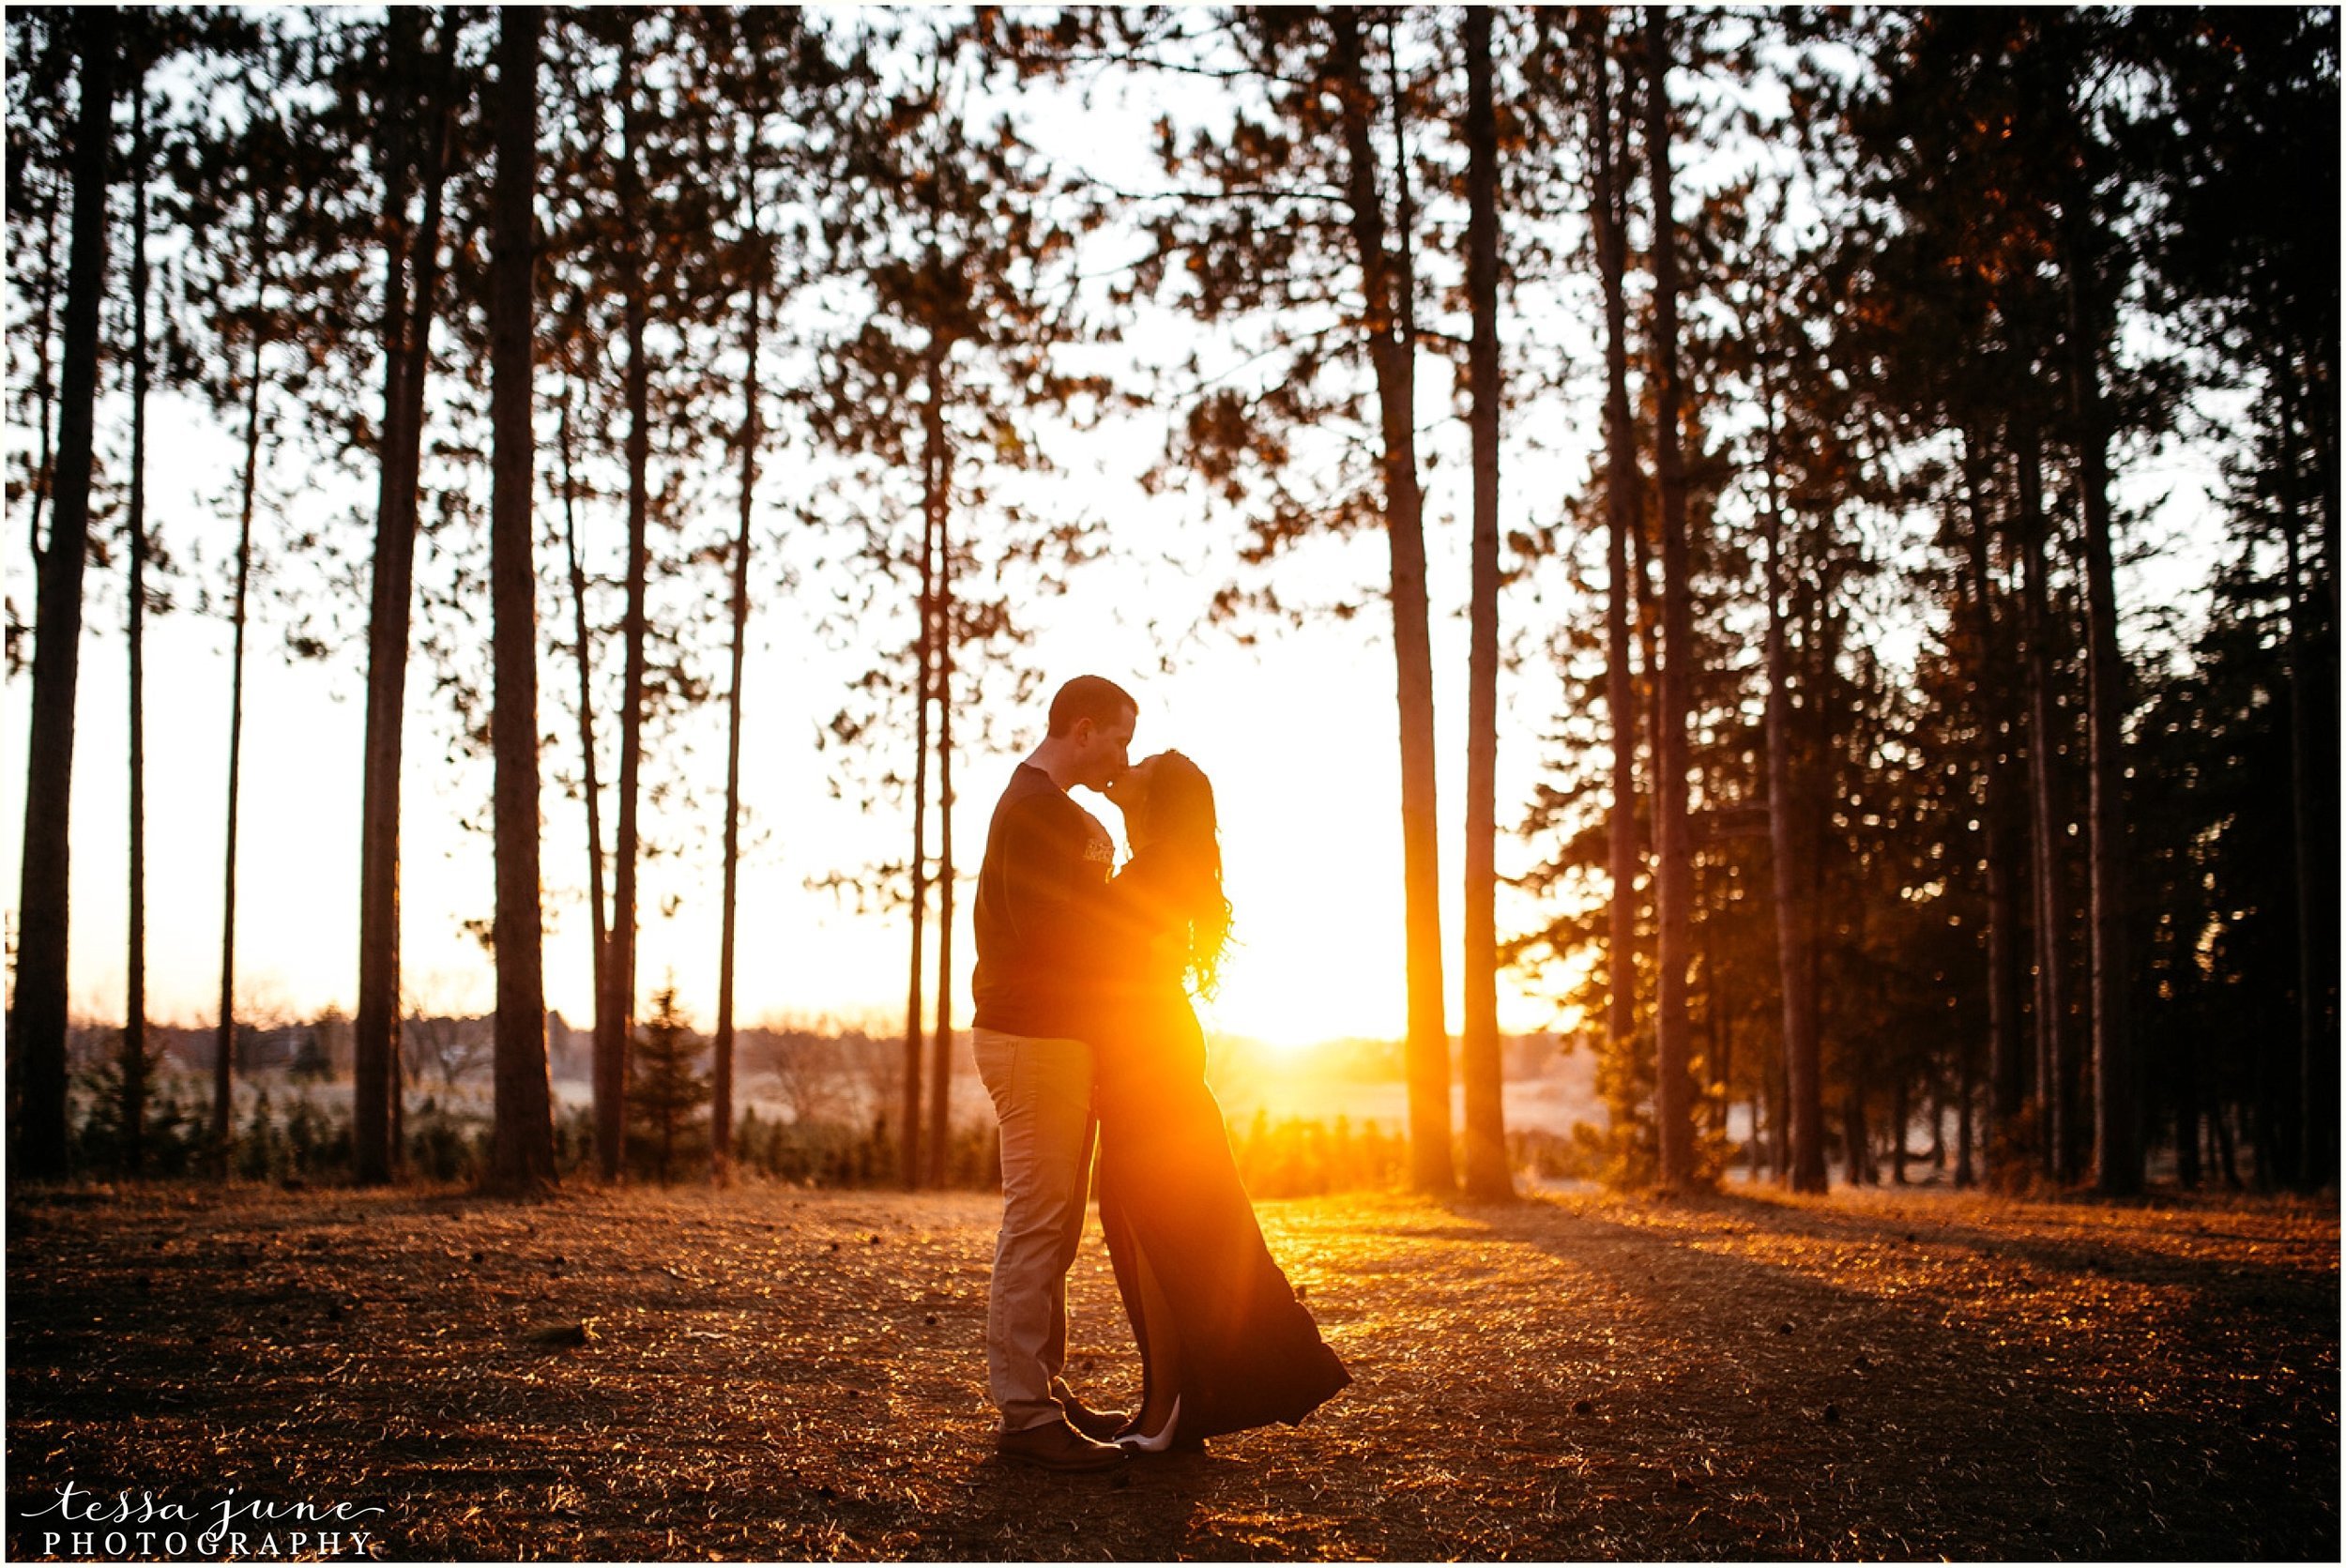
36,1037
1622,486
1486,1173
1862,1171
939,500
2312,816
522,1146
721,1097
1796,966
2117,1090
916,1033
1822,632
1393,352
224,1040
1938,1123
1718,1028
134,1010
375,1027
2320,786
1899,1115
1673,1092
442,107
924,657
615,1020
597,926
2007,1063
2045,836
375,1093
1967,1092
1780,1124
1643,571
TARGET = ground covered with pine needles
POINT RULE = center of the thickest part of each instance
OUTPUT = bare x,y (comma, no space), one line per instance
762,1372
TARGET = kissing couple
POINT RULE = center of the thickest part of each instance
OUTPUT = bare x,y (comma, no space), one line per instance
1085,1034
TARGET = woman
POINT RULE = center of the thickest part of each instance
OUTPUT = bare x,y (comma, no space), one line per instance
1223,1342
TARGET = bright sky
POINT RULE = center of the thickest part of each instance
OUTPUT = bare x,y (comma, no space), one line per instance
1298,733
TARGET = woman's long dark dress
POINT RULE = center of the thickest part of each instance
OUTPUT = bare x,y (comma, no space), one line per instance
1250,1353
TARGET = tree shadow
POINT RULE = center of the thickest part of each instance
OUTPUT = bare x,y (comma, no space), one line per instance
2105,1252
1885,1423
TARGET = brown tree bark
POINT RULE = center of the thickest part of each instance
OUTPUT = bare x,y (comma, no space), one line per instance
1622,486
1792,855
925,656
1392,349
598,928
1862,1171
2313,821
1899,1115
2007,1062
1674,884
721,1088
2050,1002
134,1014
226,1036
375,1093
939,505
36,1034
375,1026
1718,1040
615,1017
521,1141
2117,1090
224,1039
1486,1173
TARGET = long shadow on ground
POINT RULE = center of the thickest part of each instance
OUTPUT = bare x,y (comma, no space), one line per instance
761,1373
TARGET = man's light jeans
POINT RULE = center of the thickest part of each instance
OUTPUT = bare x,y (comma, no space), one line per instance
1041,1091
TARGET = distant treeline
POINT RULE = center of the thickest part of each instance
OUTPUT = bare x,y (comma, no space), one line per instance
297,1133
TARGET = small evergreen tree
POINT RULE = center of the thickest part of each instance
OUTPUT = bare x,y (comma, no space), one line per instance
665,1087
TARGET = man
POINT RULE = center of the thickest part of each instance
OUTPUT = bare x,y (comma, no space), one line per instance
1039,917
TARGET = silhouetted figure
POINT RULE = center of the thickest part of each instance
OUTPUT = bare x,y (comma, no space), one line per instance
1040,924
1225,1343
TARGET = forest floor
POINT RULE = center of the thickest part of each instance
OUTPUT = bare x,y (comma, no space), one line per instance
766,1373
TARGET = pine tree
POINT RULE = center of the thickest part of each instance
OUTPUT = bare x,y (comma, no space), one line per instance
1486,1172
418,108
522,1145
664,1088
1623,485
1674,870
134,1048
37,1033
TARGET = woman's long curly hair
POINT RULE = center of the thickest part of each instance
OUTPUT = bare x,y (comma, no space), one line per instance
1188,841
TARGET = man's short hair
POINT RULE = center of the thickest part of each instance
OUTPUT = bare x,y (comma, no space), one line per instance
1089,696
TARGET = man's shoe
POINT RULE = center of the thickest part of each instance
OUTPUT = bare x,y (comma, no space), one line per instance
1099,1425
1056,1446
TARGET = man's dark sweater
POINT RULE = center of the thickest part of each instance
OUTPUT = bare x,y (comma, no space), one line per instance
1041,912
